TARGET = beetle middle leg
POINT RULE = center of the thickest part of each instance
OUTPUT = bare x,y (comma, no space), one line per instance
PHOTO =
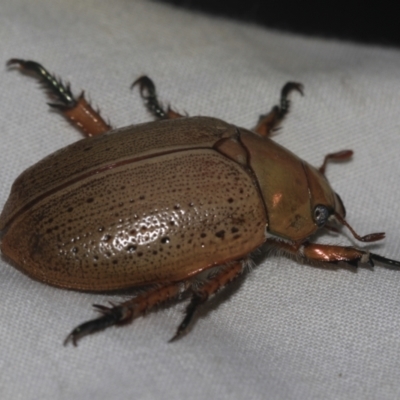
207,289
149,95
267,123
78,111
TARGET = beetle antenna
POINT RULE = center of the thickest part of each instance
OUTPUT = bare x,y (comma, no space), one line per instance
372,237
338,156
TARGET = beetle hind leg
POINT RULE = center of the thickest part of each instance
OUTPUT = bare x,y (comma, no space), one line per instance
148,93
78,111
125,312
267,123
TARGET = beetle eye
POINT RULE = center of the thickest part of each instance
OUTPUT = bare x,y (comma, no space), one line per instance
321,215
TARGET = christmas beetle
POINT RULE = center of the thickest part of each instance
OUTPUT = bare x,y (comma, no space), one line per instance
176,206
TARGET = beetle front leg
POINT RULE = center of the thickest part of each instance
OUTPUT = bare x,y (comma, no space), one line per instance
267,123
149,95
78,111
324,253
202,294
332,254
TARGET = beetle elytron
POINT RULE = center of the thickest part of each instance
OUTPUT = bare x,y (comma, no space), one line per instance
176,206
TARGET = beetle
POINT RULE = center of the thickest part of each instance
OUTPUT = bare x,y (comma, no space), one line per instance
176,206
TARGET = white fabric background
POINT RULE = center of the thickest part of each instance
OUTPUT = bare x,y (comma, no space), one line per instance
288,331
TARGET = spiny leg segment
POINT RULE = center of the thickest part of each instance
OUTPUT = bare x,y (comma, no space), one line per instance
201,294
125,312
334,254
149,95
267,123
76,110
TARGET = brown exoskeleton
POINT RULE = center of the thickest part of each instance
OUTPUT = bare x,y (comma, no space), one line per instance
157,204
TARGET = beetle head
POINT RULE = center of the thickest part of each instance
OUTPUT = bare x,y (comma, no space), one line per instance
298,198
330,205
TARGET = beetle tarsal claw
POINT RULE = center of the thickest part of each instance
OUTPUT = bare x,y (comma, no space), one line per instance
55,86
190,312
291,86
101,309
111,316
58,106
383,260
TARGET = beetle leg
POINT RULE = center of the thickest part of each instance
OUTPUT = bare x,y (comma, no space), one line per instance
267,123
201,294
125,312
149,95
333,254
77,111
190,312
